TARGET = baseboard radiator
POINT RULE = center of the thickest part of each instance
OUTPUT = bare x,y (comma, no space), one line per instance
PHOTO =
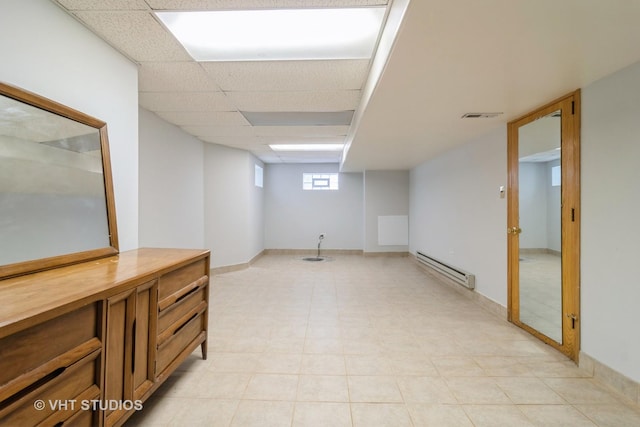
462,277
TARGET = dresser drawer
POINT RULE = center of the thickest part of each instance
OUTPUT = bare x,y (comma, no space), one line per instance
60,395
172,313
171,284
30,355
179,338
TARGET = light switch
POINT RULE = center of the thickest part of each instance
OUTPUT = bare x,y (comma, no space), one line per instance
502,191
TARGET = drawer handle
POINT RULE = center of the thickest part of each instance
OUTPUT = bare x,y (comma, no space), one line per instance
182,293
185,323
192,291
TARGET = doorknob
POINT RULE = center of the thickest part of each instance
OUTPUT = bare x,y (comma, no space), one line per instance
514,230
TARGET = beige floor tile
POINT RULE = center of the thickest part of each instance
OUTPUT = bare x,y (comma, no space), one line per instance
255,413
323,364
362,364
429,415
425,390
529,391
412,364
279,363
458,366
158,411
555,416
374,389
380,415
272,387
323,388
497,416
288,345
323,345
205,413
477,391
580,390
220,385
362,346
309,414
613,415
233,362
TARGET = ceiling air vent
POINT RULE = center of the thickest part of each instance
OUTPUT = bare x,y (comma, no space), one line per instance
480,115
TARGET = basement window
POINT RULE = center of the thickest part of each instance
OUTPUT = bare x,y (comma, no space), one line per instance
258,176
556,179
319,181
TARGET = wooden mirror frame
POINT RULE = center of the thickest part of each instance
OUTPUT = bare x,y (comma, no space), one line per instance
46,104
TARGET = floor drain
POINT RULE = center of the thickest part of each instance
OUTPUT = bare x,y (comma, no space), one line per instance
314,258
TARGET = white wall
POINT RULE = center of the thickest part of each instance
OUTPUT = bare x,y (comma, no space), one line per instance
610,294
294,218
532,192
386,193
233,206
46,51
554,214
171,185
539,206
456,213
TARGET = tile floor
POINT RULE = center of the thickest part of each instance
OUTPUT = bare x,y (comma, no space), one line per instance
541,293
369,342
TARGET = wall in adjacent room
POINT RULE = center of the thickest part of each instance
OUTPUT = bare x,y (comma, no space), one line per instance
294,218
386,193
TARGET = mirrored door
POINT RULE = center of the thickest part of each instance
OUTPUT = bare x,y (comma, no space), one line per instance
543,223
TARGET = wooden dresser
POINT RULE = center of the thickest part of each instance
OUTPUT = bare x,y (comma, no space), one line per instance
86,344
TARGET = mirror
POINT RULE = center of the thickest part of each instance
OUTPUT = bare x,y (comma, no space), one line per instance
540,254
543,223
56,195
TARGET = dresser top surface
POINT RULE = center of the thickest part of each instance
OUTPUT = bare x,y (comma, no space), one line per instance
39,296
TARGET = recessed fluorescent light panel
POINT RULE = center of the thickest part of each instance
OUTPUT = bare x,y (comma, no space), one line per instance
277,34
299,118
306,147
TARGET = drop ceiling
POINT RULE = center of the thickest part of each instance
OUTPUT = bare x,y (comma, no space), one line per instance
449,57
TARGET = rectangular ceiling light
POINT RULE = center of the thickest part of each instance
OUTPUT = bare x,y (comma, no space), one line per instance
306,147
299,118
277,34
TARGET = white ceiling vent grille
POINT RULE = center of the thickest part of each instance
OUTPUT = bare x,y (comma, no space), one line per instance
480,115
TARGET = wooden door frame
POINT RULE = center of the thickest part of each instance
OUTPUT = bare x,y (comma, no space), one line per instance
570,220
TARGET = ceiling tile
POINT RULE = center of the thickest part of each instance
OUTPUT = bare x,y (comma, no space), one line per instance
301,131
185,101
246,142
310,157
296,101
301,140
136,34
173,77
215,131
288,75
104,4
204,118
256,4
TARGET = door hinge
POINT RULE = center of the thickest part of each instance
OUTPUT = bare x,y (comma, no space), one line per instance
573,215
